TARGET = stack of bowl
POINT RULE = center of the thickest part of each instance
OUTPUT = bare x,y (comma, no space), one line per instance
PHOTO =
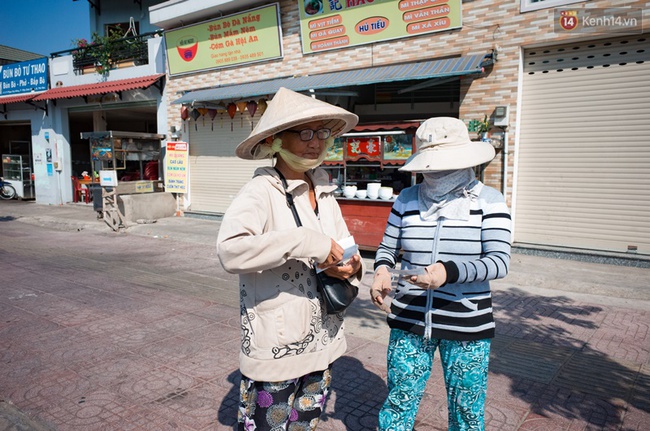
386,193
349,191
373,190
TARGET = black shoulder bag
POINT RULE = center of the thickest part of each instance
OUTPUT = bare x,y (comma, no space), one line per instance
338,294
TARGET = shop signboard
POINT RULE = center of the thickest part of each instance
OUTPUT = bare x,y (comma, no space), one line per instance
23,77
367,147
335,152
397,147
247,37
144,187
176,166
334,24
108,178
393,147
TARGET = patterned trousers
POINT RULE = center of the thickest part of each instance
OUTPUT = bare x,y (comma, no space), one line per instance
465,371
292,405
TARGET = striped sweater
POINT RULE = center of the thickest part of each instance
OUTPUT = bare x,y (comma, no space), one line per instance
473,252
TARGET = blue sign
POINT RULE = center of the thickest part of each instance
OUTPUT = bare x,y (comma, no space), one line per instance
23,77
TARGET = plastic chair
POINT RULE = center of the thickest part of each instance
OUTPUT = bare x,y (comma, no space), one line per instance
151,170
79,192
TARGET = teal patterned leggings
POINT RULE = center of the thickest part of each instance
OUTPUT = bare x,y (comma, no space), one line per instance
465,370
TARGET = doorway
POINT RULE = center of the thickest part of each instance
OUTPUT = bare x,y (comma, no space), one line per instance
16,138
138,117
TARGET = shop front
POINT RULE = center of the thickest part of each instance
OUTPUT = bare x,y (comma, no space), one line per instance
62,157
20,117
382,61
133,190
571,139
584,153
214,121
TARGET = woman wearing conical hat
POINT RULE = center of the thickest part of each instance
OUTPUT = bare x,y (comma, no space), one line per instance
288,341
454,232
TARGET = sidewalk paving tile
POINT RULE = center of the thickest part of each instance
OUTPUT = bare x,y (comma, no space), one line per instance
155,344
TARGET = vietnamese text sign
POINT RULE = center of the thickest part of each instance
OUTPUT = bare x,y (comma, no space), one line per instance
23,77
332,24
247,37
176,164
144,186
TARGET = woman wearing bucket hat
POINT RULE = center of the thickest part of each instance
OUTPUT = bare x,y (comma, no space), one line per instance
455,236
288,340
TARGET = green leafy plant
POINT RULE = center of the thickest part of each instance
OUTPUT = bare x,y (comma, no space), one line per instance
101,49
80,54
79,43
104,52
483,126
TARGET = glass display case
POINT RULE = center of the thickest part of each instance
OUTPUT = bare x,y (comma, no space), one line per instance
17,170
361,158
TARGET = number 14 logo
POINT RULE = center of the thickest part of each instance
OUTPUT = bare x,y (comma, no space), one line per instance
569,20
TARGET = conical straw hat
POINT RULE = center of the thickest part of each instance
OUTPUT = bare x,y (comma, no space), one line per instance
289,109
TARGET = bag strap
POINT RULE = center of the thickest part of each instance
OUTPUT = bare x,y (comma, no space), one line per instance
290,204
289,197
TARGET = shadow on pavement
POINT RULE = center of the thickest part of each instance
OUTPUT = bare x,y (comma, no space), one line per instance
562,358
228,409
357,394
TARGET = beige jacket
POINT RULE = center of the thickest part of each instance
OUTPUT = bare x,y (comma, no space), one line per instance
285,333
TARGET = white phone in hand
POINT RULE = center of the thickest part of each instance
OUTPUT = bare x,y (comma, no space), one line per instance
403,273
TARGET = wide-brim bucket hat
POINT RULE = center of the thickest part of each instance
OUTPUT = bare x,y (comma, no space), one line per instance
443,144
288,109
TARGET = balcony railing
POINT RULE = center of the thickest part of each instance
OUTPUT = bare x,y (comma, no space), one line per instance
95,57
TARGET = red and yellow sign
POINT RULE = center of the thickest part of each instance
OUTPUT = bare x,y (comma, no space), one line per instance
247,37
569,20
364,147
176,166
332,24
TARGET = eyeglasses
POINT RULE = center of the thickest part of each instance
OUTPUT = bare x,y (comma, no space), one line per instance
308,134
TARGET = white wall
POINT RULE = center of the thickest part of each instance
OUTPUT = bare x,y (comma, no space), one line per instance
115,11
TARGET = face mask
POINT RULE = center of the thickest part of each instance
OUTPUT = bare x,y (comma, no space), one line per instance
437,185
298,164
443,194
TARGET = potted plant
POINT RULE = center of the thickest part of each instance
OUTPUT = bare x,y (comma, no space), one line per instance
81,58
483,127
105,52
95,54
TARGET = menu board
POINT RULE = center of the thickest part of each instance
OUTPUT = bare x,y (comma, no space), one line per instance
334,24
247,37
176,166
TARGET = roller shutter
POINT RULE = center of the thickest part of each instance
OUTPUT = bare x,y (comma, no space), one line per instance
583,178
216,174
